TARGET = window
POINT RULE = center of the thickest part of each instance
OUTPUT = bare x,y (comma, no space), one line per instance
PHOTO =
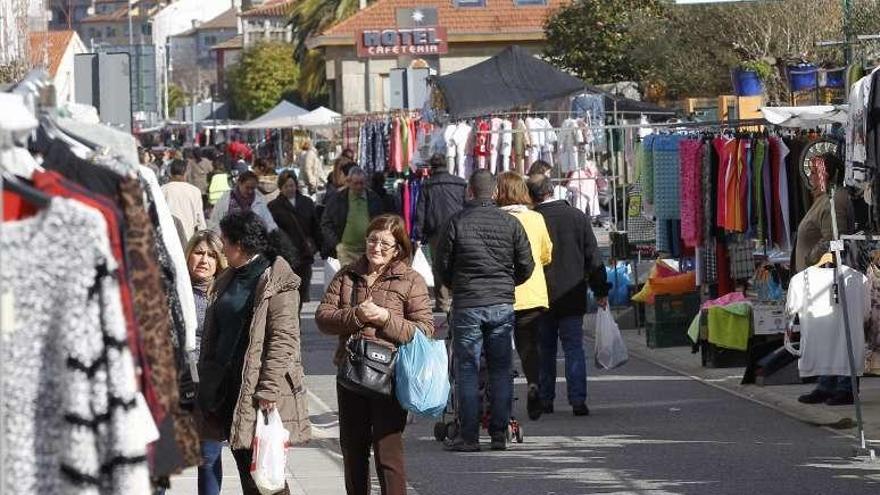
470,3
529,2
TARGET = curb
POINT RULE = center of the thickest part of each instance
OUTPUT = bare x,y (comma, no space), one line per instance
841,423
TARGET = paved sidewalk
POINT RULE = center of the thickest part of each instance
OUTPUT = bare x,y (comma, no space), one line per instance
782,398
312,469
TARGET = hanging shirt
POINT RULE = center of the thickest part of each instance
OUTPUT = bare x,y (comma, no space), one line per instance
824,351
506,140
494,144
691,152
785,213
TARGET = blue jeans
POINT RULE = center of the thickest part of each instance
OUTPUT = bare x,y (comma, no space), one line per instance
211,469
474,329
570,330
833,383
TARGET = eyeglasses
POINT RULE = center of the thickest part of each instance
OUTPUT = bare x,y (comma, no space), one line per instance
383,245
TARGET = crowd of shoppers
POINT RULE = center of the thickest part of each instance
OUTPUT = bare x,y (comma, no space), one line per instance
512,262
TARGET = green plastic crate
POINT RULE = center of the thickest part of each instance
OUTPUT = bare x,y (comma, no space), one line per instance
669,334
671,309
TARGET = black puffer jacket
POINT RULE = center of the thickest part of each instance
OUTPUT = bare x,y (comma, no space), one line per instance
576,259
483,254
442,196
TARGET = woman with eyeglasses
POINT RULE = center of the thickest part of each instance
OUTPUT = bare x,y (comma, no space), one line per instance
381,298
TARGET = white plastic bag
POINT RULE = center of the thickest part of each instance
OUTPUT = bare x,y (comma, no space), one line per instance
269,453
420,264
610,348
331,266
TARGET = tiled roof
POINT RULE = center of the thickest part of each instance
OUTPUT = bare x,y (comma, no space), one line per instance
272,8
53,43
234,43
226,20
496,16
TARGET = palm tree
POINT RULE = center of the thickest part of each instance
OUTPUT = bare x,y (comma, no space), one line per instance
310,18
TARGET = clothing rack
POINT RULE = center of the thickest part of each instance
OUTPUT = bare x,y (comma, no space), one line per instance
837,248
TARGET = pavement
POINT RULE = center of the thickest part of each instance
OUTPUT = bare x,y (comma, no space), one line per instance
661,424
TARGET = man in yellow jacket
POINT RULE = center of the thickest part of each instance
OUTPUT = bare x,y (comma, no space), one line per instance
531,298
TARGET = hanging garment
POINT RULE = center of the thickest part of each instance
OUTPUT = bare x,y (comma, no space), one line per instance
451,147
667,177
786,233
872,334
691,155
461,137
570,141
856,171
584,190
710,196
742,258
68,377
506,140
481,143
646,168
824,349
495,144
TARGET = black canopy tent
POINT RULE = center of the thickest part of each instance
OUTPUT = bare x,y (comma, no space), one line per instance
514,79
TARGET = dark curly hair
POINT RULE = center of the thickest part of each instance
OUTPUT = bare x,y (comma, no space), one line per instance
247,230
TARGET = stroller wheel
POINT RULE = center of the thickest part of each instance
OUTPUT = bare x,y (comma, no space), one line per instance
440,431
451,429
518,433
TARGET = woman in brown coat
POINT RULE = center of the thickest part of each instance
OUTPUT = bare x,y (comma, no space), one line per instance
250,353
383,299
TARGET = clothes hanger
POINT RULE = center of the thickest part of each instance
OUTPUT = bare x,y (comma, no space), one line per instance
826,259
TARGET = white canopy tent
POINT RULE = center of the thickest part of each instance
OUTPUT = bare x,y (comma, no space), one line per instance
319,117
810,116
283,116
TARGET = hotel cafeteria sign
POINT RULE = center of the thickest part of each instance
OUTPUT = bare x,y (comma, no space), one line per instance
402,42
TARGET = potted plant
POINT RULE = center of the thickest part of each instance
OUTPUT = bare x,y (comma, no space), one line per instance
749,77
802,75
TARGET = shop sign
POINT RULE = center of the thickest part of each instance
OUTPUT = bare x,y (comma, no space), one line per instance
402,42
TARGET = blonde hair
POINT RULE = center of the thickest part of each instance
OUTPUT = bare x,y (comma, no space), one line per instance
512,190
215,244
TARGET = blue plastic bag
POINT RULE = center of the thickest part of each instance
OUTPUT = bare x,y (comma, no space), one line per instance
422,376
619,279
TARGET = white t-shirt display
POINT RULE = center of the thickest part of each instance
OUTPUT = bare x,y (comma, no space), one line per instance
823,338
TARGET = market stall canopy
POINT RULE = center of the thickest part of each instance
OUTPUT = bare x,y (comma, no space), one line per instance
810,116
283,116
515,78
512,78
319,117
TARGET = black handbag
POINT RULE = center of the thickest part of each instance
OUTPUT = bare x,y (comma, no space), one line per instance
368,368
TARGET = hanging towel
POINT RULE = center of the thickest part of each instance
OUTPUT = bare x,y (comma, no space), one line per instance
730,326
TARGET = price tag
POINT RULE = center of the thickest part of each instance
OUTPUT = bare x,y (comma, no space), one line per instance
7,312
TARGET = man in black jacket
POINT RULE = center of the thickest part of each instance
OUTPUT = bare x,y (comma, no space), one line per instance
483,254
346,217
576,260
442,196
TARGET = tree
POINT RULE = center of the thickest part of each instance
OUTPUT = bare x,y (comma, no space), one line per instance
176,98
265,72
689,50
309,19
594,38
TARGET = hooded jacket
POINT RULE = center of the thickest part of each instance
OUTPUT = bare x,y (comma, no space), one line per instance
272,369
400,290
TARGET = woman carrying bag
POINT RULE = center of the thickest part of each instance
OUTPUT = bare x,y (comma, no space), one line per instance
250,348
377,303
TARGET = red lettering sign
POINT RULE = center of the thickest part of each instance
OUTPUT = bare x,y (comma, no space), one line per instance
391,43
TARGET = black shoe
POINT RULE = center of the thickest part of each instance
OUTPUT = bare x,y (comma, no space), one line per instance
459,445
580,409
499,441
840,399
533,405
547,407
815,397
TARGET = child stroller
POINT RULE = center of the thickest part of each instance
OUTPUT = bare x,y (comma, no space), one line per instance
449,425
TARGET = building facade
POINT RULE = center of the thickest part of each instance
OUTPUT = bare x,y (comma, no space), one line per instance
447,36
55,51
267,22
